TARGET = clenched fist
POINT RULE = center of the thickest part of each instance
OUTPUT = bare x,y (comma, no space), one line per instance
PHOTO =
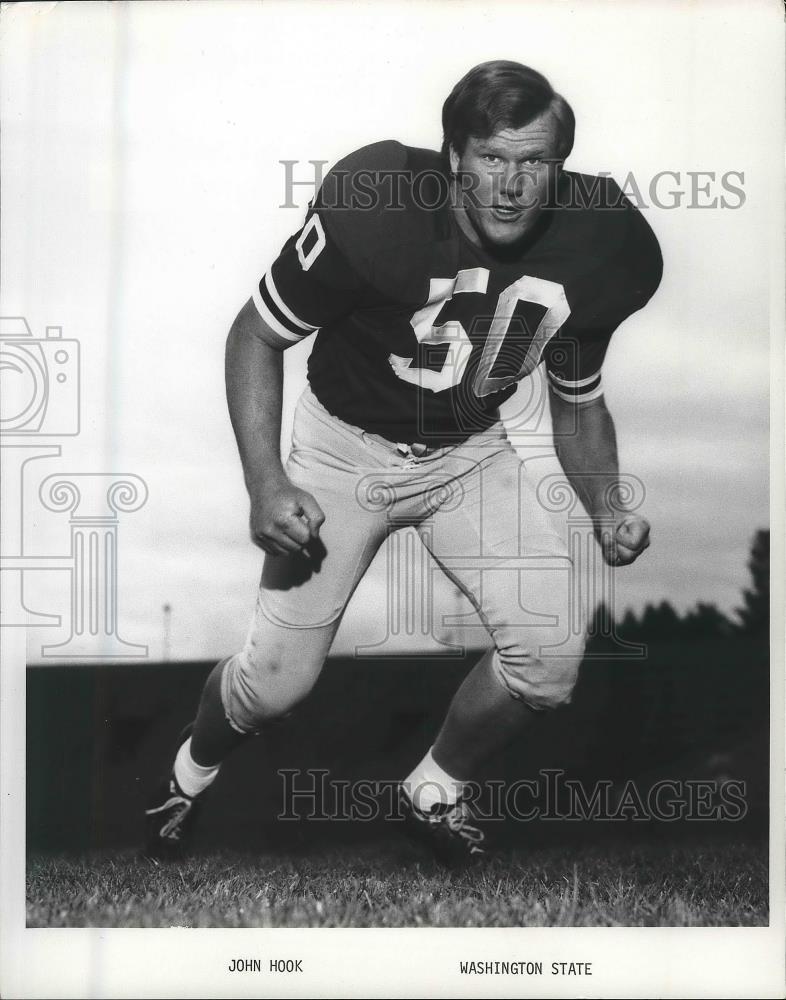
284,518
625,542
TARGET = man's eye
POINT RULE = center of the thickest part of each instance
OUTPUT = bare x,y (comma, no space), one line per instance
532,162
490,158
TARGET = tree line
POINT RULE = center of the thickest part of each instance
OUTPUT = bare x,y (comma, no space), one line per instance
662,621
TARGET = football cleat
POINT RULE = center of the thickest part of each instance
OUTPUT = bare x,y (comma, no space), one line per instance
447,828
170,816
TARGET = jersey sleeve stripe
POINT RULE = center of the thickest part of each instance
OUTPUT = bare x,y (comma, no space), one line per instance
578,383
286,312
578,395
296,329
270,318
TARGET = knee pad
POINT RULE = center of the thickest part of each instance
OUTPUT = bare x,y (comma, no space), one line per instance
276,669
541,679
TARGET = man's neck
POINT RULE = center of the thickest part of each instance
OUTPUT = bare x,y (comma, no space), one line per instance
502,252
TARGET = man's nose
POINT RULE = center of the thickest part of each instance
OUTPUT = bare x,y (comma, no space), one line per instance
514,181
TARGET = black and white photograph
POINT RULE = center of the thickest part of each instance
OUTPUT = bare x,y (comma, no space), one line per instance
392,446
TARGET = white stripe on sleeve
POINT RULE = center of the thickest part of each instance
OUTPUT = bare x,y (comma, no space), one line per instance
273,291
579,397
577,384
271,320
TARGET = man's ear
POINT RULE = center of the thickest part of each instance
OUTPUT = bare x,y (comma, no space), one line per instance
453,159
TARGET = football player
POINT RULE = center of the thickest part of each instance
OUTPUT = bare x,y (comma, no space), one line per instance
434,282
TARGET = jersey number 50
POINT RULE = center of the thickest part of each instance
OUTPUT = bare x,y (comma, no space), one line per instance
549,294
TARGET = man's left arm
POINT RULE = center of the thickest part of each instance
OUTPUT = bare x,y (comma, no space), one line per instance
586,445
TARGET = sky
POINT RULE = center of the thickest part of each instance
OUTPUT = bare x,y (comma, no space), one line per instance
142,194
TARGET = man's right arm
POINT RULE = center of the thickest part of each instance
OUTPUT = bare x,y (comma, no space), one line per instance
310,285
283,517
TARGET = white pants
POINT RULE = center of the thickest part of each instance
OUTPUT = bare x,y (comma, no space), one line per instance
475,510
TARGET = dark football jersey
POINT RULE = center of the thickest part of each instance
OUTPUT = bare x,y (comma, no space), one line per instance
421,333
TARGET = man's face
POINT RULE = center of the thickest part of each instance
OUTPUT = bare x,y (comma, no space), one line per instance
504,180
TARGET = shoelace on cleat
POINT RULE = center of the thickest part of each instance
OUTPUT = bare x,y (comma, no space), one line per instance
171,829
459,822
182,806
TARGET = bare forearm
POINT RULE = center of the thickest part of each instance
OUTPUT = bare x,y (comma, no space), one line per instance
586,444
254,386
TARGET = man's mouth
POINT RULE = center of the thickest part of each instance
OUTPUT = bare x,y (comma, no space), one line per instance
506,213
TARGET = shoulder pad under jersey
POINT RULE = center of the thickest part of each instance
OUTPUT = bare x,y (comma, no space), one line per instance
381,200
610,225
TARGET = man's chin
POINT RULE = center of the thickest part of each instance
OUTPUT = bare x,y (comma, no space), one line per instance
505,235
502,235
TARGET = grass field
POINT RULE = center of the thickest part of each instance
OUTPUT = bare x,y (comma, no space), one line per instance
387,885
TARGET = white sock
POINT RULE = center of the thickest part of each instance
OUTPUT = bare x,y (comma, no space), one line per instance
192,777
429,785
